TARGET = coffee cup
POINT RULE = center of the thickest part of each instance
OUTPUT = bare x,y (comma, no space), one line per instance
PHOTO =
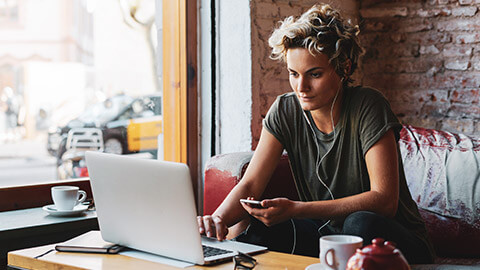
66,198
335,250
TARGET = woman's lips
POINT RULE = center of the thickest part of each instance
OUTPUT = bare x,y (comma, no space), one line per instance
306,99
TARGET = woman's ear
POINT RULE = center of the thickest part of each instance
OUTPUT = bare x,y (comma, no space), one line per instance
348,68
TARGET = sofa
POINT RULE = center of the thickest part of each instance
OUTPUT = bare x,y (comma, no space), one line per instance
442,171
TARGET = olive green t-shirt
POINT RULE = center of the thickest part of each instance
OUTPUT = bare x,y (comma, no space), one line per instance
365,117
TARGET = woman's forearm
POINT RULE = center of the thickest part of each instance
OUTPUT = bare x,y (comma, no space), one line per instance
340,208
230,210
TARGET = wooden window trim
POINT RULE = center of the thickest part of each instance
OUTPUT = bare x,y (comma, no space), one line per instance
180,86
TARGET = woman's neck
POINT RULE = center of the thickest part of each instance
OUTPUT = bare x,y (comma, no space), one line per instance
323,117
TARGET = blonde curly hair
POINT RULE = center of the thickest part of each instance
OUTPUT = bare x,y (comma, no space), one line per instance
320,30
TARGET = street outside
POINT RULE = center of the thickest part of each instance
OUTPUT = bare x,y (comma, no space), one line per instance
24,162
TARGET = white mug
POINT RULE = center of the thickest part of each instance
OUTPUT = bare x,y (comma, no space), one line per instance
66,198
335,250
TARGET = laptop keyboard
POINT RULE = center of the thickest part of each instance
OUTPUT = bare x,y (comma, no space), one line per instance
211,251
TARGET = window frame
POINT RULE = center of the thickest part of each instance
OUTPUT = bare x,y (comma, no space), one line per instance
180,87
181,16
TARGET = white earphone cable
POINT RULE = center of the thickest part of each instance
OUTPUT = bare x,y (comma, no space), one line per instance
318,162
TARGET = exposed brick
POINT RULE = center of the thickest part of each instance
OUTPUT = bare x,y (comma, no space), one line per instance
417,27
465,2
465,126
266,10
459,24
464,11
369,3
424,121
368,39
263,28
476,130
402,109
379,49
457,64
476,64
433,71
398,37
428,13
456,50
465,96
395,65
287,8
384,12
435,110
371,26
429,38
407,50
451,80
418,97
467,38
431,49
464,111
394,81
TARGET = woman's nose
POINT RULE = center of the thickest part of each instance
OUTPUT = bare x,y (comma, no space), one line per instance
302,85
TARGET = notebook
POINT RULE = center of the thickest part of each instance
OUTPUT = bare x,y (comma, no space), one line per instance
149,205
90,242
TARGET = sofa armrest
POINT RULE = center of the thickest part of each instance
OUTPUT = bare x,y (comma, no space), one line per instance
443,175
224,171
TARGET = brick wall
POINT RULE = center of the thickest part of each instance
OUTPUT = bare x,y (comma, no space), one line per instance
424,56
270,78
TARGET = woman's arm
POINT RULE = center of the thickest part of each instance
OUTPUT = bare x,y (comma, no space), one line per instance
382,165
253,183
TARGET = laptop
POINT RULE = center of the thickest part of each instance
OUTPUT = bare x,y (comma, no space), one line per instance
149,205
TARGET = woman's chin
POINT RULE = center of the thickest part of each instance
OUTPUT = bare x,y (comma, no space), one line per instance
307,106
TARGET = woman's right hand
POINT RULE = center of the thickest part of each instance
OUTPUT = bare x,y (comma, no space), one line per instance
212,226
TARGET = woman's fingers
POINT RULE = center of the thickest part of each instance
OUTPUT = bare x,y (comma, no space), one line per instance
209,226
221,228
212,226
201,227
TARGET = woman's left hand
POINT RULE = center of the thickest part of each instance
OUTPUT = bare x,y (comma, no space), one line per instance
274,211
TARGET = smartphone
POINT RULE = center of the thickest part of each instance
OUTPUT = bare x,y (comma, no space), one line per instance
252,203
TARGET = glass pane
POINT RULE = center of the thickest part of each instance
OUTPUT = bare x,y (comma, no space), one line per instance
91,87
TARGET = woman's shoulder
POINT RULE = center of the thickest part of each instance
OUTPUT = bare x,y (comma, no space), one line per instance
287,97
362,94
287,101
365,91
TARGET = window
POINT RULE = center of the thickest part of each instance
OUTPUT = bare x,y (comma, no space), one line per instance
85,64
100,72
9,11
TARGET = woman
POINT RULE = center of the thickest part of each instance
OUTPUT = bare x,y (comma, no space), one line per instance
342,147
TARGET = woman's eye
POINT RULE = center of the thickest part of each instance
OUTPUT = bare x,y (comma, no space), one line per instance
293,74
316,75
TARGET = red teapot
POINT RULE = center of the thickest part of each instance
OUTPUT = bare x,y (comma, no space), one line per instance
381,255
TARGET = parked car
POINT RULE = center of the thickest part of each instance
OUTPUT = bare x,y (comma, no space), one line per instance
129,125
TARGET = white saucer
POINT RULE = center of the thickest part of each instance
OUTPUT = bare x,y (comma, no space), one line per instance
77,210
315,266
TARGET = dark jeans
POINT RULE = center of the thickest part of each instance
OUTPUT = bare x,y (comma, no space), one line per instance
365,224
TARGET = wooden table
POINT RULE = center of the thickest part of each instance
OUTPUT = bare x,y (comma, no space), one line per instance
25,258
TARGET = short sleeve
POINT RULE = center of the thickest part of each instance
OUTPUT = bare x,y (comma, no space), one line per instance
376,118
273,121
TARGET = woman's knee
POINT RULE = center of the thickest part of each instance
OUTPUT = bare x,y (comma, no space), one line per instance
365,224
